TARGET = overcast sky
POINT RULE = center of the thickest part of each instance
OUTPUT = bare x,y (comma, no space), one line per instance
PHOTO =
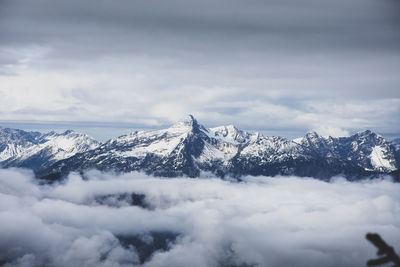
282,66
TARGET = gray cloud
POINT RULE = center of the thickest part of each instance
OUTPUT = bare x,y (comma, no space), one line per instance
263,221
257,64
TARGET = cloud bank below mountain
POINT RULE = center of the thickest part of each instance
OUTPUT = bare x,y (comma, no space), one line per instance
90,220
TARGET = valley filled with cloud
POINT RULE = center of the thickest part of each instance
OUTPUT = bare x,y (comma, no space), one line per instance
105,219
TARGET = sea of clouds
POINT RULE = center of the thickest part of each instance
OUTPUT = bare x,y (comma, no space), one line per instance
104,219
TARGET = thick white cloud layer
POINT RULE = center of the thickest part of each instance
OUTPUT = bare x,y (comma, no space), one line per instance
284,221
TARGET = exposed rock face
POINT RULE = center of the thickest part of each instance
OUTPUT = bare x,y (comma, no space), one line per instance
37,151
365,149
187,148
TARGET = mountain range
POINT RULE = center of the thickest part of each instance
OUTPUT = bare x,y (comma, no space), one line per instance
187,148
37,151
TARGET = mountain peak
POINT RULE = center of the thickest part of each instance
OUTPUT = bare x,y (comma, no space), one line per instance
188,120
232,127
365,132
67,132
187,123
312,134
224,130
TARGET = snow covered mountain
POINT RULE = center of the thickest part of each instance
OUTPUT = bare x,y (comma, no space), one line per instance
187,148
14,142
366,149
37,151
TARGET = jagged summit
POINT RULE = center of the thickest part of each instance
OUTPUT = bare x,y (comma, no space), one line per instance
365,133
185,122
366,149
230,134
14,142
68,132
188,123
312,135
36,150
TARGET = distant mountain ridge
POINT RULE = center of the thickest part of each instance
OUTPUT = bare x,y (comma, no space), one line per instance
14,141
366,149
37,151
187,148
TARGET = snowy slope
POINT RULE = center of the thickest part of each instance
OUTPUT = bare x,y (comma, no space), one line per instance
14,142
49,148
366,149
379,160
161,143
222,144
229,134
187,148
